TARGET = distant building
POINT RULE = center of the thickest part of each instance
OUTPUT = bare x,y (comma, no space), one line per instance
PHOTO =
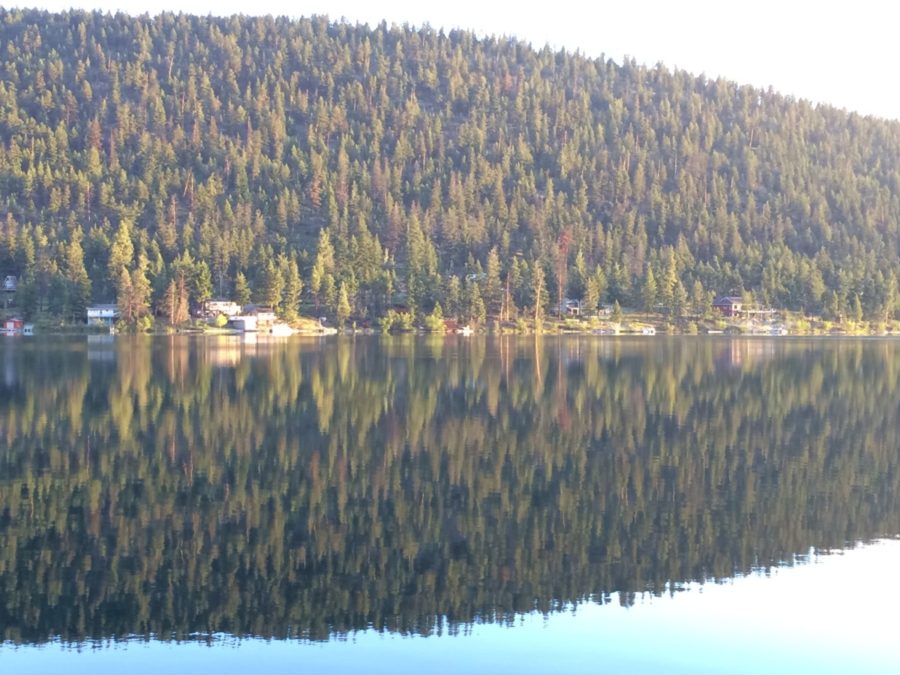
245,323
734,306
265,316
227,307
570,307
105,315
730,305
10,283
13,326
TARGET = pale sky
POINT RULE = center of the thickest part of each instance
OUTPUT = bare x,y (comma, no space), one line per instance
842,53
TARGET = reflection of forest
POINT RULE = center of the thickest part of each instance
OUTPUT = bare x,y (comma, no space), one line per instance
174,487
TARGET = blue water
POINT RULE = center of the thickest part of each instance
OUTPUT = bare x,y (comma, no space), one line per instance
832,613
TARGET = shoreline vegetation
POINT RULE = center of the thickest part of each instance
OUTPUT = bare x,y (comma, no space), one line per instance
631,323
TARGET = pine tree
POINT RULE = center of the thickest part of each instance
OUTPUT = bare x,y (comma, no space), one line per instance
493,285
343,310
201,283
323,268
452,296
700,303
121,251
293,287
666,292
174,303
242,292
889,304
78,284
272,285
474,310
679,300
538,285
596,288
649,294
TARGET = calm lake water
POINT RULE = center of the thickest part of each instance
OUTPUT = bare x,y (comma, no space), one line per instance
449,505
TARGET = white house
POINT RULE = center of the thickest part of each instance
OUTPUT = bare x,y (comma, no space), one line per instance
227,307
265,316
106,315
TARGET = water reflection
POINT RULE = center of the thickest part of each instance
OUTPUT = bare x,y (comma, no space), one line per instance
176,487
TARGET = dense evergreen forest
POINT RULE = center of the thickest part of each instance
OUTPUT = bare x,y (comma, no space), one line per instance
393,483
345,170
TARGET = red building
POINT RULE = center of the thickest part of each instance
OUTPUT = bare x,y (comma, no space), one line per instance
730,305
13,326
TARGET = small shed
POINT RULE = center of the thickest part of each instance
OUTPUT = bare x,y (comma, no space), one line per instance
10,283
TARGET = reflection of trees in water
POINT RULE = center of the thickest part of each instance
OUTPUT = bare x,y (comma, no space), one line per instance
303,488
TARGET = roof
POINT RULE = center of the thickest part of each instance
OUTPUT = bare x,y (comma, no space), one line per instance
729,300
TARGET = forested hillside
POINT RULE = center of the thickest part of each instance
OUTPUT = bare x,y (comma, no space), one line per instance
346,169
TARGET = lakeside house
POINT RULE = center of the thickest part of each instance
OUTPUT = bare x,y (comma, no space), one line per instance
102,315
733,306
265,316
13,326
730,305
228,308
254,318
570,307
244,323
10,283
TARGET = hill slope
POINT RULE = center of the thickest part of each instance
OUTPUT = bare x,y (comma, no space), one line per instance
160,158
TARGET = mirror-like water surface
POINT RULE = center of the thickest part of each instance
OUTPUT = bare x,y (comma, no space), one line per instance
171,489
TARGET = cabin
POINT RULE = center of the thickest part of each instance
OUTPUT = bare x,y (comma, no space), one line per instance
10,283
569,307
102,315
13,326
729,306
734,306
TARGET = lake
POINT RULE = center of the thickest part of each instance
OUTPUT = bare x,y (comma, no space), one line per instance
522,505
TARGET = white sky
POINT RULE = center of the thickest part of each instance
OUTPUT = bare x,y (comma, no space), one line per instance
842,53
